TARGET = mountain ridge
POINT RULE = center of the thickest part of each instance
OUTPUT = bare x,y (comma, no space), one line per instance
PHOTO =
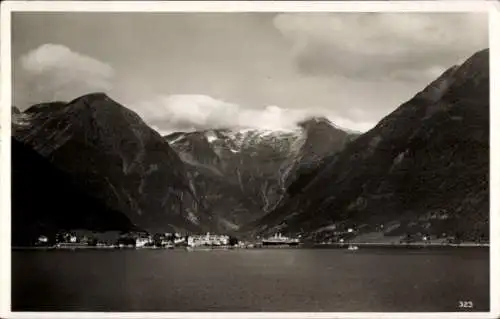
429,156
45,204
120,159
253,166
449,119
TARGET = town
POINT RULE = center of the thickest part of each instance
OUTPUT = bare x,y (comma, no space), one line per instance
86,239
335,235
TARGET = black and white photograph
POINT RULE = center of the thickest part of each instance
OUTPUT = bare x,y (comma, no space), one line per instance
253,161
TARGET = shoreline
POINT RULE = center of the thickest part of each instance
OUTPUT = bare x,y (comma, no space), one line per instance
401,245
303,246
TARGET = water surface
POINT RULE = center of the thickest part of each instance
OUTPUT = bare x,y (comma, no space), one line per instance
250,280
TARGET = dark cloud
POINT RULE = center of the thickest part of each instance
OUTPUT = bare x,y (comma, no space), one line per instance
382,46
194,71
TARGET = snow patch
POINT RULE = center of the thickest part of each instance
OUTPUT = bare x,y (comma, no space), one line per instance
327,228
193,218
177,139
399,158
211,137
226,223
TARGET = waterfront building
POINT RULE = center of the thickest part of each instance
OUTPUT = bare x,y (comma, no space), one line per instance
42,240
180,240
68,238
142,241
208,240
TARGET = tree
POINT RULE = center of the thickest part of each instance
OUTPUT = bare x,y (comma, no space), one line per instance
92,241
233,241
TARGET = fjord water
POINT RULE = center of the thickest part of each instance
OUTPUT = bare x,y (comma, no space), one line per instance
388,280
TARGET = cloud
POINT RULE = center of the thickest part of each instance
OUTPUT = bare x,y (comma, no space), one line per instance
55,72
347,124
390,46
197,112
187,112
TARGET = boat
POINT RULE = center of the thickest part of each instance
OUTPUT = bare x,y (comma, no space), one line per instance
279,240
352,247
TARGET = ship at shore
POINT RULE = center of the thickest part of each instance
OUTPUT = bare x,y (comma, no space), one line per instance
280,240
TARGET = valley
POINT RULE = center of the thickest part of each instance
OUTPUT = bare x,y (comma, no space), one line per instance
423,170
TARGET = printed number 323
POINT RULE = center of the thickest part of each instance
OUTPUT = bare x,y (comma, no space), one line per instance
465,304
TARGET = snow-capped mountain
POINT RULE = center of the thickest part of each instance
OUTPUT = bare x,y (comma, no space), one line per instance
429,157
219,179
253,166
238,140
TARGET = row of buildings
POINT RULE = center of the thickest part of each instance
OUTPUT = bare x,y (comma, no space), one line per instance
137,239
208,240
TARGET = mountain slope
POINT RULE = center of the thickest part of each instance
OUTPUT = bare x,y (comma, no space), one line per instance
428,158
321,140
111,154
44,200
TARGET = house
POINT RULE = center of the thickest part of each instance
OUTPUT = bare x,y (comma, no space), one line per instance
179,240
67,238
42,240
208,240
142,241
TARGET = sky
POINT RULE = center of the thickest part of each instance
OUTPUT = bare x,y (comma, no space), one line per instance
191,71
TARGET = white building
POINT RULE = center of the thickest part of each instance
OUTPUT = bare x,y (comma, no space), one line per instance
208,240
142,241
43,239
179,240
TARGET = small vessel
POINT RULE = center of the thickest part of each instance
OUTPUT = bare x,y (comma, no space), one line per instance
352,247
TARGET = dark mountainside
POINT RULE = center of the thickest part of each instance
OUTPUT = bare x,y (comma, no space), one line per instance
44,200
243,174
15,110
322,140
112,155
424,167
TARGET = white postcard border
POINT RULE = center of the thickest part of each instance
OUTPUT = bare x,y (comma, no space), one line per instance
493,7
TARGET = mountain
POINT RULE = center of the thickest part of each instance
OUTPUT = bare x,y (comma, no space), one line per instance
242,174
424,166
45,200
112,155
321,139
